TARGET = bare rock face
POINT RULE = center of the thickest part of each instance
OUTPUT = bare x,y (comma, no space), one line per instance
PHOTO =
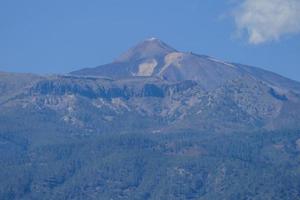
242,104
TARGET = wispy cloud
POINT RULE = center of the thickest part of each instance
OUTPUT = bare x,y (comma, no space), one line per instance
267,20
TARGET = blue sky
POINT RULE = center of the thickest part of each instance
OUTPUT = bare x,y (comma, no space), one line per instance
58,36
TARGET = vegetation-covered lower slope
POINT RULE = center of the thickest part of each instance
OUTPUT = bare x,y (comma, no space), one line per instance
56,162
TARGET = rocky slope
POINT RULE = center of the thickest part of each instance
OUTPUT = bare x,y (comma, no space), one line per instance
154,58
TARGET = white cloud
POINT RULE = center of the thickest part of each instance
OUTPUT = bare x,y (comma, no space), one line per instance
267,20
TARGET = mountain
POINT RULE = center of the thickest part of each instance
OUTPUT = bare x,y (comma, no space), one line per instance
156,123
155,58
255,98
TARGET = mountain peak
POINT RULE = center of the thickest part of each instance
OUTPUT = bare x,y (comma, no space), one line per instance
151,39
149,48
156,42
